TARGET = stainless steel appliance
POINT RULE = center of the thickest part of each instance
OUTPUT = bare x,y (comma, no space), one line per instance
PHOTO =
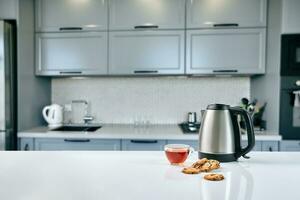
220,134
8,79
290,55
289,126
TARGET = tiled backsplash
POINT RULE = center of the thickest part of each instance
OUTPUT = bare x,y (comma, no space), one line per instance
154,99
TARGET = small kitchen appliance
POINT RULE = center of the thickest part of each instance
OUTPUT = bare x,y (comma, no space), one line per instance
53,115
220,134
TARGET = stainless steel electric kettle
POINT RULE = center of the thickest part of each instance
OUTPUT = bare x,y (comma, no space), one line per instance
220,133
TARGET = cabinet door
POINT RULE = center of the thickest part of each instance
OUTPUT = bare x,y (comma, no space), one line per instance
157,14
270,146
71,53
77,145
192,143
230,51
66,15
290,145
257,147
26,144
8,9
290,16
146,52
237,13
143,145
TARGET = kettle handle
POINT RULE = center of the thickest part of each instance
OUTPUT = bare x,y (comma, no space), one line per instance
46,114
250,131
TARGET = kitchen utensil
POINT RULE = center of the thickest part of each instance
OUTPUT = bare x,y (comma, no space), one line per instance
189,128
192,117
53,115
177,153
219,136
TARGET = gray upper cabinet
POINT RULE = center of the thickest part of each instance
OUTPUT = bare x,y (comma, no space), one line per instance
215,13
146,52
70,15
8,9
82,53
226,51
290,16
154,14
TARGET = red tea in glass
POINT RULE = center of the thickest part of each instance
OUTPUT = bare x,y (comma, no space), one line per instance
177,153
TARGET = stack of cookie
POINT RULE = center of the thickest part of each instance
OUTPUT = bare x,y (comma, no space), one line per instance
205,165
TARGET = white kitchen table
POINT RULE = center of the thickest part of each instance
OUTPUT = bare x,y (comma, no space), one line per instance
143,176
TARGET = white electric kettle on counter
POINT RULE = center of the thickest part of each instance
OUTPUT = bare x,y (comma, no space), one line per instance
53,114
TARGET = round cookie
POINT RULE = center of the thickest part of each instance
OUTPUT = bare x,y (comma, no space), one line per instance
190,170
214,177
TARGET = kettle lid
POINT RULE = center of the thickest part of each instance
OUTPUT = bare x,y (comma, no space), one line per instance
218,107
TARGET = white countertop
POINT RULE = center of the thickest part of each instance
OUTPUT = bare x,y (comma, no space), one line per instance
143,175
125,131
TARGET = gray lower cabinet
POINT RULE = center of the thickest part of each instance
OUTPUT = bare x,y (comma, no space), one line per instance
226,51
270,146
193,143
77,145
290,145
143,145
65,54
146,52
26,144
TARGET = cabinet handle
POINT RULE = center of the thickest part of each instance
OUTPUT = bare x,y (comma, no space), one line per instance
78,141
26,148
146,27
70,29
144,141
146,72
226,25
226,71
75,72
270,149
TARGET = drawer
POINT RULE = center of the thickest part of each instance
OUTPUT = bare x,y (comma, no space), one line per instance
290,145
192,143
143,145
257,147
26,144
69,144
270,146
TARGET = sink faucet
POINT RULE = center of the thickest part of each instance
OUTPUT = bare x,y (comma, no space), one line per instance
87,118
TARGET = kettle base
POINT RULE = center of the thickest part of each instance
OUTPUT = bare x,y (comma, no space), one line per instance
219,157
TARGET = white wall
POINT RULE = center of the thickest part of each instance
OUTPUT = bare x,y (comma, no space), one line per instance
157,99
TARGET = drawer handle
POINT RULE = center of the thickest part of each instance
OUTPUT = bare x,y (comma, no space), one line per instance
146,72
270,149
26,148
70,29
75,72
146,27
144,141
226,25
76,141
226,71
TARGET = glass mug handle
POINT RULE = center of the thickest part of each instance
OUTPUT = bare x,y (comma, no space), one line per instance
192,151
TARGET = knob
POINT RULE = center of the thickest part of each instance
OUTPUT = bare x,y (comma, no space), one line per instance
26,148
